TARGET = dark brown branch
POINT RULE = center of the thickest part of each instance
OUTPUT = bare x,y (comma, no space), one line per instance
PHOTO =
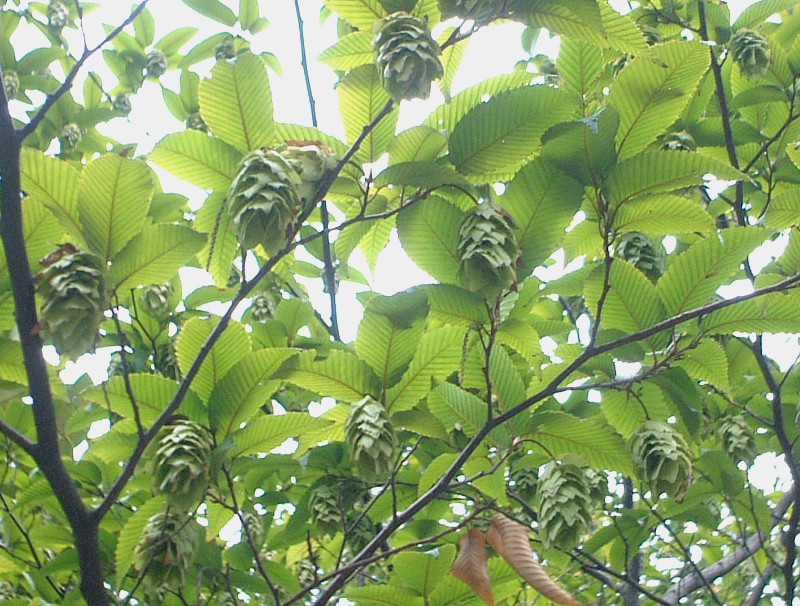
751,545
17,437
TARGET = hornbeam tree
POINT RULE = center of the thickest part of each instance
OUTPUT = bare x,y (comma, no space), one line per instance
594,399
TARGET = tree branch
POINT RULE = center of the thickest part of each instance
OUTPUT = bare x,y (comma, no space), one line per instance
753,543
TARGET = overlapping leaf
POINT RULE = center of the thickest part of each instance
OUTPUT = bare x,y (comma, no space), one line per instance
198,159
341,375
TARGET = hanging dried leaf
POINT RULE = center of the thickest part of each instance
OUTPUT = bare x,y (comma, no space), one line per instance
510,540
470,565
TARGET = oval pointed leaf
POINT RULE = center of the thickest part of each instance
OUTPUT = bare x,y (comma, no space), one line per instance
236,103
113,200
350,51
270,431
198,159
361,99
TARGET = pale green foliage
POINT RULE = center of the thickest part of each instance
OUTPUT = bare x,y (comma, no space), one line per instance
564,503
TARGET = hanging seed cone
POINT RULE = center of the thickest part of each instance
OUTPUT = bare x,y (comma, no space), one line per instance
312,162
751,52
679,141
370,439
487,250
737,439
564,505
156,64
73,287
154,300
70,136
470,565
407,56
326,514
263,200
510,540
57,14
181,463
11,84
167,548
662,458
641,252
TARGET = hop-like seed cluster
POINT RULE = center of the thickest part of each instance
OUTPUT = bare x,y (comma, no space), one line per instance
641,252
311,163
73,289
525,480
122,104
651,35
478,10
326,513
254,526
407,56
487,250
598,484
262,308
224,51
167,548
7,591
156,64
165,361
195,122
751,52
306,571
264,200
662,458
155,300
181,463
57,14
564,505
370,438
679,141
737,438
11,84
70,136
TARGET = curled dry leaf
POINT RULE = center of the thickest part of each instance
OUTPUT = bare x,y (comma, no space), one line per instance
470,565
510,540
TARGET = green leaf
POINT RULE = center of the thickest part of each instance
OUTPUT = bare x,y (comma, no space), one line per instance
422,571
232,345
610,30
270,431
562,433
664,214
131,533
383,595
417,144
359,13
341,375
631,304
350,51
152,392
361,99
542,200
54,183
653,90
42,231
784,210
222,246
213,9
173,41
374,242
580,64
772,313
248,13
428,231
153,256
454,306
457,408
451,60
757,12
245,389
497,137
662,171
438,355
694,276
707,362
236,103
426,175
625,411
446,116
386,347
584,150
113,200
198,159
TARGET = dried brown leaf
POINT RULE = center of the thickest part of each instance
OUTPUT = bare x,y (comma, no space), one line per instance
510,540
470,565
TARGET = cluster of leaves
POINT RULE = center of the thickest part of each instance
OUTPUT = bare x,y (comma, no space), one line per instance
443,407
